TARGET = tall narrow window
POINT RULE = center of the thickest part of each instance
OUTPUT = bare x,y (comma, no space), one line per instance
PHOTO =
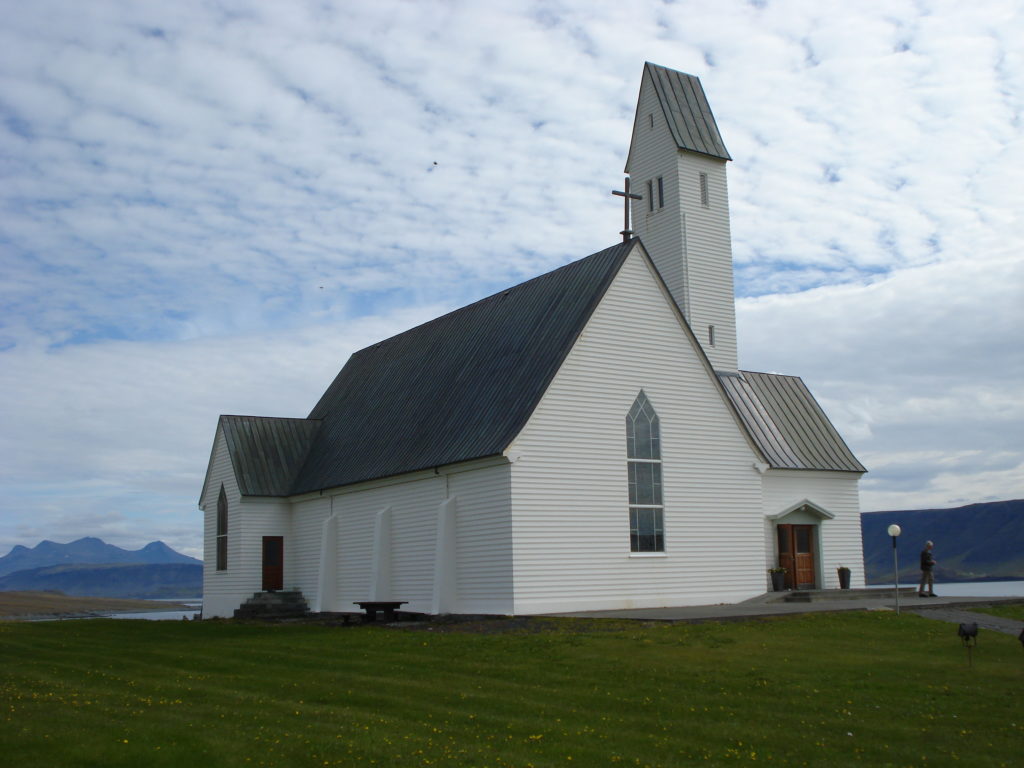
711,335
643,454
650,121
661,192
222,531
650,196
705,200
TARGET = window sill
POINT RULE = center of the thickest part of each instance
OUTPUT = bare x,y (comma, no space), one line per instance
648,554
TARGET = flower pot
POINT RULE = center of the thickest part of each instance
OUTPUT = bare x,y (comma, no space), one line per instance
844,578
779,581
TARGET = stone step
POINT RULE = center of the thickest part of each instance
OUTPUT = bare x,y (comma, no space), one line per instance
273,605
821,595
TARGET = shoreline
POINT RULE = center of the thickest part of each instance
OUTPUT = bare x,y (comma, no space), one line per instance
32,606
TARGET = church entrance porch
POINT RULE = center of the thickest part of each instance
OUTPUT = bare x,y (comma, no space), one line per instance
797,556
798,546
273,563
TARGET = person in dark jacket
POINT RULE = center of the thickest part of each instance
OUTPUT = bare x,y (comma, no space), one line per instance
927,566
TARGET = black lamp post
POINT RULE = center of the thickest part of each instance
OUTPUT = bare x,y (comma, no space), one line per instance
894,531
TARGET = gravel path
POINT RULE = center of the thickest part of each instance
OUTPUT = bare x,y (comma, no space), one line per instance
983,620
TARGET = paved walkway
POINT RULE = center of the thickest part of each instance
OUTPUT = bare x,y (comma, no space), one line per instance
770,604
983,620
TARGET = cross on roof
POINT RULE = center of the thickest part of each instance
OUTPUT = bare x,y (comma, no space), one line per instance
626,197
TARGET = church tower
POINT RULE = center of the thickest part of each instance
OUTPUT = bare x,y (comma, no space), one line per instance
676,164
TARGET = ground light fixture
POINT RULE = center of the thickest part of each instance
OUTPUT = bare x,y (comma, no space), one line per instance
895,531
969,637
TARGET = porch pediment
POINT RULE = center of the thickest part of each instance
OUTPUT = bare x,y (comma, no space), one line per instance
806,510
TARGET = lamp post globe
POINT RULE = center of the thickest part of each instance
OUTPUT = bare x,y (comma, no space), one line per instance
894,531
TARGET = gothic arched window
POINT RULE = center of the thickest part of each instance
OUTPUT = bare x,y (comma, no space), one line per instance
643,452
222,530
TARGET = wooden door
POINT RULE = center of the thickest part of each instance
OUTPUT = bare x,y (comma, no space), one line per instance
273,563
796,555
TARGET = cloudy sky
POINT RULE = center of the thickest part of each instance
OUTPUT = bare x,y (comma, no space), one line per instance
205,207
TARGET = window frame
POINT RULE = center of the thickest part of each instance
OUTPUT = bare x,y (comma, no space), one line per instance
645,479
222,530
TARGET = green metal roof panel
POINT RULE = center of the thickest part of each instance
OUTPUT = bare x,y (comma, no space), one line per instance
687,111
787,423
459,387
266,452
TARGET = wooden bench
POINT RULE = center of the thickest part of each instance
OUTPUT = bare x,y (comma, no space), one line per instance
387,607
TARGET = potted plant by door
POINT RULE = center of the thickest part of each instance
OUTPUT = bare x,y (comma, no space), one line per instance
844,577
778,579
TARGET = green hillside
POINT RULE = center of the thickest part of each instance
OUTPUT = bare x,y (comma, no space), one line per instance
111,580
975,542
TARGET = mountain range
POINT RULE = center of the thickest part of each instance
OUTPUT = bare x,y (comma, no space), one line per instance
976,542
85,551
91,567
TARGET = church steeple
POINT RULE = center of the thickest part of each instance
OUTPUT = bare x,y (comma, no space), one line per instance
677,163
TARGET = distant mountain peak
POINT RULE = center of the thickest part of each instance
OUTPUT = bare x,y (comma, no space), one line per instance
88,550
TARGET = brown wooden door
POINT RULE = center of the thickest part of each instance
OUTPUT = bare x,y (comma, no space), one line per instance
796,555
273,563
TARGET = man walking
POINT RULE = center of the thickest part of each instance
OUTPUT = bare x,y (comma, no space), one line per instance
927,566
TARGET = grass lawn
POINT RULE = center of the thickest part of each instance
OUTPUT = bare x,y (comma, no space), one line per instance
819,689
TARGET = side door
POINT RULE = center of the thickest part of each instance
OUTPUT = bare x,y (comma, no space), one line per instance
273,563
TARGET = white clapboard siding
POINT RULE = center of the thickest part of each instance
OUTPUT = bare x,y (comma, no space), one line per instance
483,539
414,512
414,508
249,520
840,537
653,153
484,550
569,479
356,520
302,550
708,243
690,244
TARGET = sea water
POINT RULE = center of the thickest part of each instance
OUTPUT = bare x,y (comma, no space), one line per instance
969,588
194,607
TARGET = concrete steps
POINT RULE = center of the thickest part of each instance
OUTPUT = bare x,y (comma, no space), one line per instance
273,605
831,595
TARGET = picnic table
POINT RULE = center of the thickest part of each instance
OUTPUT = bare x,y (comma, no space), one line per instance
388,607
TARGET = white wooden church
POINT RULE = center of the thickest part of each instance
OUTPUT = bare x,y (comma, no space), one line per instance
583,440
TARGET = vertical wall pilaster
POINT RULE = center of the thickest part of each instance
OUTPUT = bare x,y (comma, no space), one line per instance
327,589
445,581
380,587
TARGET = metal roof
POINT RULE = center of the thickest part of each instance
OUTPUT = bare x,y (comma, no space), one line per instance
687,111
787,423
456,388
267,452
